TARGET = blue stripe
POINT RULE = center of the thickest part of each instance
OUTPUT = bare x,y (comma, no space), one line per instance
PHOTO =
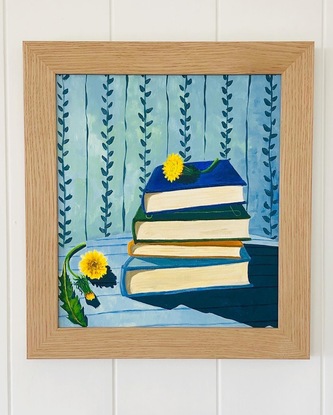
168,113
123,212
205,115
247,143
87,155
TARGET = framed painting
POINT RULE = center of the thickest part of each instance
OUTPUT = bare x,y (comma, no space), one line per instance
168,199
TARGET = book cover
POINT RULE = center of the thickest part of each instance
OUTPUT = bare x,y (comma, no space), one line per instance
196,249
208,223
146,276
220,185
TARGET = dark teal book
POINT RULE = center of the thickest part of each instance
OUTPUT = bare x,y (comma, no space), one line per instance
223,222
220,185
147,276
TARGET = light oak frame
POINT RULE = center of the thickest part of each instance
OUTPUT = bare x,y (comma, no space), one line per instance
42,62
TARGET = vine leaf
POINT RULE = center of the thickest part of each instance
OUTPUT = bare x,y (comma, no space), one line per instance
63,195
225,123
108,162
146,135
270,207
70,301
186,118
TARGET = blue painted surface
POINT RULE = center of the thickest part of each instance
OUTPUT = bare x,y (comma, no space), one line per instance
113,130
254,306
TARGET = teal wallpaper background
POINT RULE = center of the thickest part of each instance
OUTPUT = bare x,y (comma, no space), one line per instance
113,130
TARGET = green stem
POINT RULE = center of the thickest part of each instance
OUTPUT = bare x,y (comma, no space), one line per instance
68,257
211,167
83,285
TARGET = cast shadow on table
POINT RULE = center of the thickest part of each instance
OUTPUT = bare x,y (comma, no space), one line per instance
256,306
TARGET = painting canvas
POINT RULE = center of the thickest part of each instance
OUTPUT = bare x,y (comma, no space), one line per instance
168,200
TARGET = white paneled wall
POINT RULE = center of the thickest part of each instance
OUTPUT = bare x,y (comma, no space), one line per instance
39,387
184,20
327,350
150,387
266,20
4,374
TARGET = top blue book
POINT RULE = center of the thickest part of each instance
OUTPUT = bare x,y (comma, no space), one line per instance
219,186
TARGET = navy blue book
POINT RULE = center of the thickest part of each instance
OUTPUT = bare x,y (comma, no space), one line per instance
147,276
221,185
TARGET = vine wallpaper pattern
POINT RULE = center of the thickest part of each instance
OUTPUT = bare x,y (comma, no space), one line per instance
114,129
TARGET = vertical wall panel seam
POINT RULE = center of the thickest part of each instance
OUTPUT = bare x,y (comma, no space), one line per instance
5,115
323,267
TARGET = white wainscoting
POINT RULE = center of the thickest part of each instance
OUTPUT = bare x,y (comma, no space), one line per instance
150,387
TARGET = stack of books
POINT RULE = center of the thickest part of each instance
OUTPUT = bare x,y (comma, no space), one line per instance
188,236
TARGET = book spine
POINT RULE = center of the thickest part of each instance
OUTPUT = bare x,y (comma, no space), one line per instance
122,284
130,246
182,250
143,201
135,239
224,211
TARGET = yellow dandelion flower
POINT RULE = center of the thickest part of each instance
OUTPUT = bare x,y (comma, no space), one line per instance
90,296
173,167
93,265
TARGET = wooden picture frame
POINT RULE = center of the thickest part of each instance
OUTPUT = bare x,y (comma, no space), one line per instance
294,62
